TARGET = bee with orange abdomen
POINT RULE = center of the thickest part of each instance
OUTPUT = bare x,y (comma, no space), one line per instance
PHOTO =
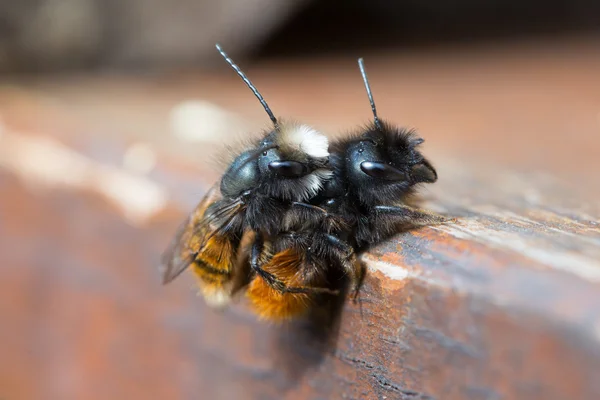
374,172
288,164
303,258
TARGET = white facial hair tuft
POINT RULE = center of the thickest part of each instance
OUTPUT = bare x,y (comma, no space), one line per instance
308,140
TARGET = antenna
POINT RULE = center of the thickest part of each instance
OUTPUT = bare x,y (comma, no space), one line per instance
361,65
250,85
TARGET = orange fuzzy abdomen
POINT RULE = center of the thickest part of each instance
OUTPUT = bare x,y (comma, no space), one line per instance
213,267
270,303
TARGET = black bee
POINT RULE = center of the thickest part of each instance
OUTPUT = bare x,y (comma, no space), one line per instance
374,172
289,164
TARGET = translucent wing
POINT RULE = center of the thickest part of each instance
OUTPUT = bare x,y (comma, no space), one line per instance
195,232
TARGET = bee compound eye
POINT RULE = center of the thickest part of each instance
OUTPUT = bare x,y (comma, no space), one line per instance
382,171
288,169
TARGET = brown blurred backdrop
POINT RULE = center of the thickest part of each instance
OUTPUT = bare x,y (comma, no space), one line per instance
111,113
59,35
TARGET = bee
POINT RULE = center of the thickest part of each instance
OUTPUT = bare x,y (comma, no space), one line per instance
258,189
307,256
374,172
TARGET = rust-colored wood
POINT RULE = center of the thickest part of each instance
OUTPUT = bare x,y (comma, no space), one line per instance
503,304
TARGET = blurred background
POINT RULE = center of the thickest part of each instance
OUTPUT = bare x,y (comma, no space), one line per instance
112,114
142,35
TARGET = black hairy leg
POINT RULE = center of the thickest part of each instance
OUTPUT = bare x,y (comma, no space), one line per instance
317,217
409,215
348,261
256,257
385,221
310,207
327,245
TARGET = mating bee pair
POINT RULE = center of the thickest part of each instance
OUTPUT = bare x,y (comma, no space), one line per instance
292,209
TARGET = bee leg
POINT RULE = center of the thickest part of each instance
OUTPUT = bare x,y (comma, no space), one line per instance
410,216
304,212
255,254
349,262
310,207
308,290
399,215
386,221
271,280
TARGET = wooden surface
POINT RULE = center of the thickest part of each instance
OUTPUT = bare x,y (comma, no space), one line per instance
504,304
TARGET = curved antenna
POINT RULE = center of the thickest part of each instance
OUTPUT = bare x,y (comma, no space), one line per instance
361,65
250,85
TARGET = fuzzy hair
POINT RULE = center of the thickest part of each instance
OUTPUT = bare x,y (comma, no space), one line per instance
267,302
390,137
298,189
304,144
301,140
398,144
222,157
297,141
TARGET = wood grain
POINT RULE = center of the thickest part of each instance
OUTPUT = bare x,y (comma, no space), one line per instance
502,304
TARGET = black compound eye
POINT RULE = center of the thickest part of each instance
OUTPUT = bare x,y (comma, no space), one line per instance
288,169
382,171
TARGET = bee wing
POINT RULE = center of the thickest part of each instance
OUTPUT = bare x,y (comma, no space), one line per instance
174,260
218,220
186,243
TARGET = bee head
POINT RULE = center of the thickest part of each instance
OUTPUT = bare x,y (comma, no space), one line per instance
293,165
289,163
385,163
